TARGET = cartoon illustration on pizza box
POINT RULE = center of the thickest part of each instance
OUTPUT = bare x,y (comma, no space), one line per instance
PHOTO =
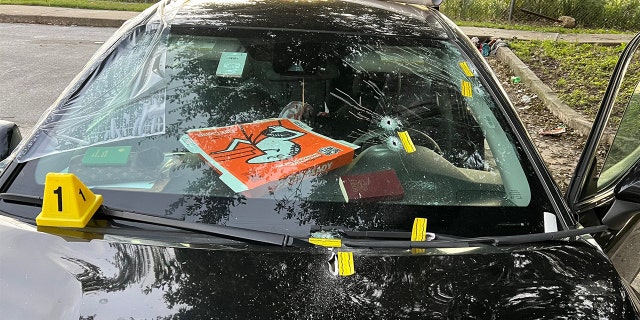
253,154
274,143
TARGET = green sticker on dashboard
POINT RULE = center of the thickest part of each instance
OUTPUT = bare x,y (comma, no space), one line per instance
231,64
106,156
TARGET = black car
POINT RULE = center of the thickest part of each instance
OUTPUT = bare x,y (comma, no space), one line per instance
308,160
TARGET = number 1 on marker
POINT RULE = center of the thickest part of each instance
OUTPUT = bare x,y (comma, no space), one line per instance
59,193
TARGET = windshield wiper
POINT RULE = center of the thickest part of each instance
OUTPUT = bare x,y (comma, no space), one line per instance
372,239
466,242
21,198
345,232
539,237
234,233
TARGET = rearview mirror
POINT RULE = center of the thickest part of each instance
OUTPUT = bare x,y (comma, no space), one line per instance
9,138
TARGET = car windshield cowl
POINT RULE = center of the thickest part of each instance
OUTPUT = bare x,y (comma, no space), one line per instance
375,240
347,237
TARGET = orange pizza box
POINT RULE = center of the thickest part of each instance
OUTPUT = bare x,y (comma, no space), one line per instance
253,154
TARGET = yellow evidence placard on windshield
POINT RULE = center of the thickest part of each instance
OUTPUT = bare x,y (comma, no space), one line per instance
407,143
465,68
67,202
467,90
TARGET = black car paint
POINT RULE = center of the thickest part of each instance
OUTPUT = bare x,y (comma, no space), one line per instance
561,279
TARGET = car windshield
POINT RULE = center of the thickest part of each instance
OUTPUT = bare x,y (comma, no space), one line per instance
279,129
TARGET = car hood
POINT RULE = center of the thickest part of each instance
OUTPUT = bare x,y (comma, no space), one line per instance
44,276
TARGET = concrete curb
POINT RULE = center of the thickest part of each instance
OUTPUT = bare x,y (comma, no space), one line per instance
62,21
490,33
544,92
63,16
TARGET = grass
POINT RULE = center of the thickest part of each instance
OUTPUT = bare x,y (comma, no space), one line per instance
537,27
123,5
83,4
138,6
579,73
618,14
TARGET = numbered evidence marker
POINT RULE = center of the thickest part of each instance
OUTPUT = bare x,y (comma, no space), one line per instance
342,264
419,233
67,202
408,145
419,230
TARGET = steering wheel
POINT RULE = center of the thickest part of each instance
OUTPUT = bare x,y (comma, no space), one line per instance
381,133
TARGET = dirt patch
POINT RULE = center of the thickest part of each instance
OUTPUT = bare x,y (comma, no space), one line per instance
560,152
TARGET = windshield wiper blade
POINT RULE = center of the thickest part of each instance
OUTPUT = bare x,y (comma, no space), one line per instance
405,244
345,232
21,198
467,242
234,233
539,237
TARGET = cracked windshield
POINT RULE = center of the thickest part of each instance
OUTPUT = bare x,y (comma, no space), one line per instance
304,127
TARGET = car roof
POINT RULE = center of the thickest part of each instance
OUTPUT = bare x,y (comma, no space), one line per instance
334,16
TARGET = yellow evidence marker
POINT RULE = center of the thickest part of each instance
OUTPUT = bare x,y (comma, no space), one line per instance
419,230
419,233
467,90
465,68
67,202
408,145
331,243
345,264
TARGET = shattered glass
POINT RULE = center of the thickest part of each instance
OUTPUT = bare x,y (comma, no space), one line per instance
119,102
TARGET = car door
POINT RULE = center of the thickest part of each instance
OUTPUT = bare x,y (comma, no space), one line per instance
606,184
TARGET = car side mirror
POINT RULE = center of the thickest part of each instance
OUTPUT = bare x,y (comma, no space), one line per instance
9,138
630,192
627,203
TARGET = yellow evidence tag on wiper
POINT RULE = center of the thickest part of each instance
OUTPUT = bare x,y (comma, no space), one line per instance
419,230
332,243
419,233
67,202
